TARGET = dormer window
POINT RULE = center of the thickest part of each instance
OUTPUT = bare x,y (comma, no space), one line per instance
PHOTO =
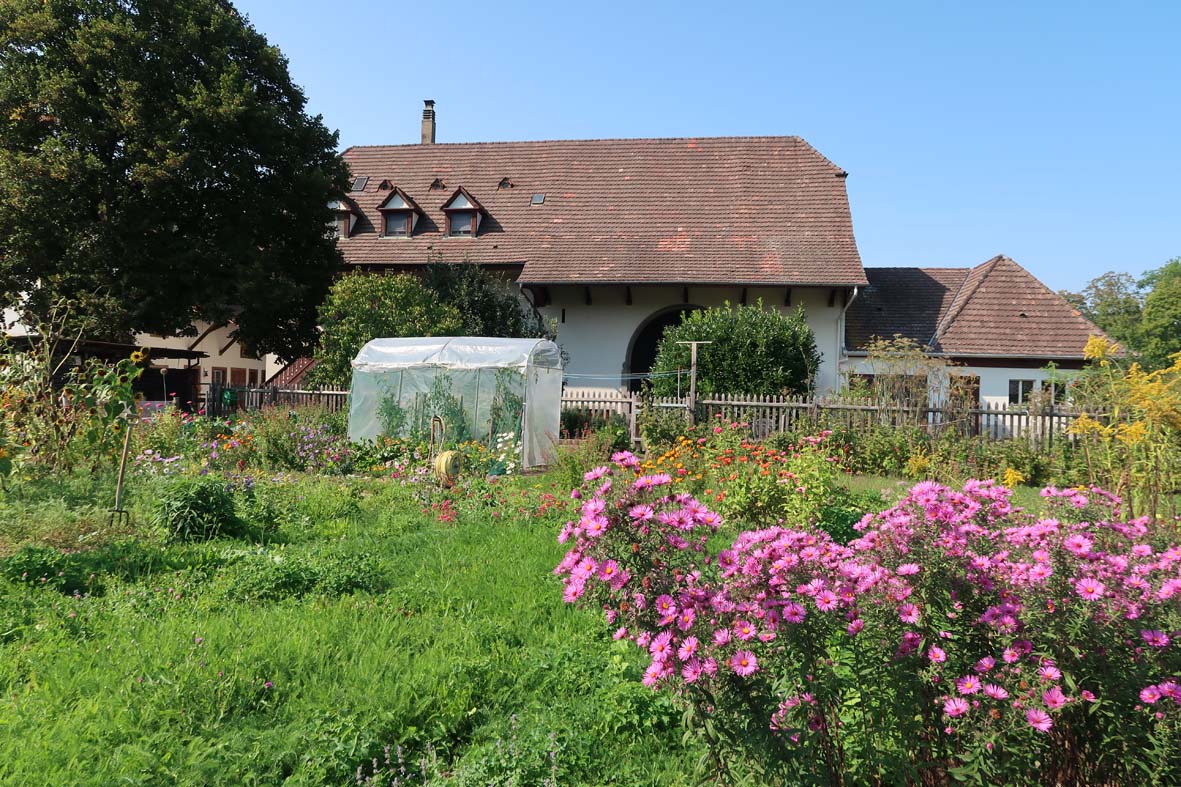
397,223
399,214
463,214
345,220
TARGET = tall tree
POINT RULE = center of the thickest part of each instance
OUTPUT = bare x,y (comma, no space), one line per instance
1114,302
157,164
1162,314
361,307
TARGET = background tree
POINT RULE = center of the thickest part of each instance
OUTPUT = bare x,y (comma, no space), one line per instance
157,165
755,350
361,307
1114,302
488,304
1161,325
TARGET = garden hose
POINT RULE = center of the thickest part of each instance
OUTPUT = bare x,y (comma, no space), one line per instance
446,463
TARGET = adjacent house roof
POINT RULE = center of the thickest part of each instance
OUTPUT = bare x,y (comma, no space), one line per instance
735,210
997,309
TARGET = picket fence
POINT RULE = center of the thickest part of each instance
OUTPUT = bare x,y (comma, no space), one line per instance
766,415
769,415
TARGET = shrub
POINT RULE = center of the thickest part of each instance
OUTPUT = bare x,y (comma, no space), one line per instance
308,439
362,307
44,567
953,639
755,350
195,509
661,426
271,576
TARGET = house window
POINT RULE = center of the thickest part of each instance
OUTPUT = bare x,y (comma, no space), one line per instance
219,375
1019,391
397,223
460,222
1059,391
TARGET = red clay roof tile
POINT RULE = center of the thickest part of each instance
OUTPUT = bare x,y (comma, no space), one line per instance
735,210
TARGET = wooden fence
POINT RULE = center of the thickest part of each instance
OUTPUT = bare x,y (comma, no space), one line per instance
767,415
222,400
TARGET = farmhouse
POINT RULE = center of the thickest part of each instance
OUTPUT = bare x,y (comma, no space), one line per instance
613,240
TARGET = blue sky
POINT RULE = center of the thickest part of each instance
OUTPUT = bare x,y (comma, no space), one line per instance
1048,131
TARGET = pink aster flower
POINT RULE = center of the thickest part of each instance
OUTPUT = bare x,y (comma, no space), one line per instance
1039,719
744,663
906,569
661,647
692,670
909,614
969,684
936,654
593,507
1054,698
1010,655
1049,672
596,473
955,706
686,618
665,605
1090,589
1157,639
1149,694
794,613
985,664
620,633
641,513
594,526
743,629
826,601
855,626
995,692
688,649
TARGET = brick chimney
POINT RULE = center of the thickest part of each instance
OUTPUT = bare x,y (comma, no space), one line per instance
428,122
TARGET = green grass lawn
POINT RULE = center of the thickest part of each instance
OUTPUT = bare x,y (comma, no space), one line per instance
353,618
361,622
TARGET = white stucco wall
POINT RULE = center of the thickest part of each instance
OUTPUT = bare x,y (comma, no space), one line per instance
597,337
994,380
212,345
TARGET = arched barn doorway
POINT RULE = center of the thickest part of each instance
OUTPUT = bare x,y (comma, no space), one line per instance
641,354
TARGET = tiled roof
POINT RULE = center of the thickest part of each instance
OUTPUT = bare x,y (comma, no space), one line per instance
902,301
740,210
995,309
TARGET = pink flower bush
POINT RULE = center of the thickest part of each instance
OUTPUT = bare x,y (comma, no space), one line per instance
905,622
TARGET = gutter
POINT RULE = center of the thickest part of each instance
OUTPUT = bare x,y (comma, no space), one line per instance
841,329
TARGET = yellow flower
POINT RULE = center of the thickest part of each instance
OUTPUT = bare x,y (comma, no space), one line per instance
1012,477
1130,434
138,356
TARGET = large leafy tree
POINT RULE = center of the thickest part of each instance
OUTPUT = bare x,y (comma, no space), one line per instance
1162,314
362,307
1114,302
754,350
157,165
489,305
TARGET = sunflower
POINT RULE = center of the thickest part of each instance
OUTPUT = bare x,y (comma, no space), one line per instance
138,356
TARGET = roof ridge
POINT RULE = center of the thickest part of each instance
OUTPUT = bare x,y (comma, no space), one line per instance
957,305
794,137
918,268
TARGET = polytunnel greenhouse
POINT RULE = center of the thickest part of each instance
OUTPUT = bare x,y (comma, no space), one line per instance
505,392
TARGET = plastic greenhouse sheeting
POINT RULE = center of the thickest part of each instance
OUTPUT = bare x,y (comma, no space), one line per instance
504,393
